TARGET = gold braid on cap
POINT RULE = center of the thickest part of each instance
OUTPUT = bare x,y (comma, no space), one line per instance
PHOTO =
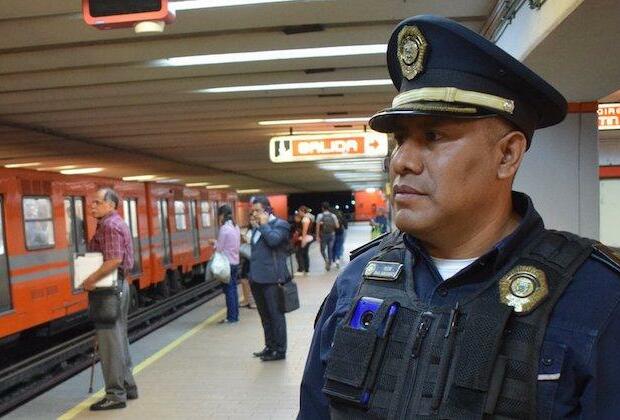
451,94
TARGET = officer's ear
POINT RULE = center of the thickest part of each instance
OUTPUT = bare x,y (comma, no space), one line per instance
511,148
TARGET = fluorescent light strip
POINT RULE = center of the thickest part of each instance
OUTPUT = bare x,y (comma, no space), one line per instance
217,187
22,165
245,57
197,184
139,178
81,171
314,121
249,191
207,4
308,85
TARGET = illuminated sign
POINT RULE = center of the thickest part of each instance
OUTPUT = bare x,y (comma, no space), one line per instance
333,146
609,116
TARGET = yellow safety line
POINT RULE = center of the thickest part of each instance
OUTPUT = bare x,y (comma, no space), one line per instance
155,357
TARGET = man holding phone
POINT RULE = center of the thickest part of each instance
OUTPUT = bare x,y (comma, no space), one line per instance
268,269
497,316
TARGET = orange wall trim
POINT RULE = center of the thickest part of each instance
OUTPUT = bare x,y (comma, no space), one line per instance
366,204
582,107
609,172
279,203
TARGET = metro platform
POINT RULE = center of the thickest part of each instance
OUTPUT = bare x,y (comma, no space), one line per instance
195,367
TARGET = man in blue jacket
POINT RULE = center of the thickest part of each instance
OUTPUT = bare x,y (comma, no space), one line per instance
471,309
267,269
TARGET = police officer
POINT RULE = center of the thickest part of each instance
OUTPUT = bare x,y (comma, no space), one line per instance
471,309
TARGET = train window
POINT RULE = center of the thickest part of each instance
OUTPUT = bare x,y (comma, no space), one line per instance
205,213
179,215
5,285
38,222
130,213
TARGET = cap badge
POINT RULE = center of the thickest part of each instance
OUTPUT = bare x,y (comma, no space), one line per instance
524,288
411,51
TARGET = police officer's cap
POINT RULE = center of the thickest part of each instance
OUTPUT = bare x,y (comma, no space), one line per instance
442,68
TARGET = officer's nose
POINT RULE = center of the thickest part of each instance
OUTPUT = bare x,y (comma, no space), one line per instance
407,158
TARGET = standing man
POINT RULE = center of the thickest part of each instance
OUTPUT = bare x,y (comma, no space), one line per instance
471,309
326,225
267,269
113,239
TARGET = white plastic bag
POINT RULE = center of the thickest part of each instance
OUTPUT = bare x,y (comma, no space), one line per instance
220,267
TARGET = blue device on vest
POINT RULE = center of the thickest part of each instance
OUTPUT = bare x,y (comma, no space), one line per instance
364,313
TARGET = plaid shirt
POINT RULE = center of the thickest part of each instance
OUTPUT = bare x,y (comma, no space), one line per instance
113,239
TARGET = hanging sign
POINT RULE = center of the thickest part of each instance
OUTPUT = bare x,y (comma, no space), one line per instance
609,116
322,147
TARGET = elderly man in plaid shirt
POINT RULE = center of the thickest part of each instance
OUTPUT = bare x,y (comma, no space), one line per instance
113,240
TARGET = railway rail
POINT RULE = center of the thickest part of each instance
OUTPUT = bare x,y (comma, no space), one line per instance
25,380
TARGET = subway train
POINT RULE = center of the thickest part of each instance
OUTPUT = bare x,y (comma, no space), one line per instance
45,219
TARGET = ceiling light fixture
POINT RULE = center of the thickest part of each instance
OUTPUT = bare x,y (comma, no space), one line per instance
294,86
217,187
168,181
249,191
22,165
197,184
245,57
139,178
314,121
207,4
81,171
57,168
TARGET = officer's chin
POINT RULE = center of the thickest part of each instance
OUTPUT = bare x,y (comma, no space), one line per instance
412,222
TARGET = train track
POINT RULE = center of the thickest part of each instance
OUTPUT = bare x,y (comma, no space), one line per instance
25,380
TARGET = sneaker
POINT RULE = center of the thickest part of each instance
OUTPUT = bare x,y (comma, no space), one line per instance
337,262
106,404
328,266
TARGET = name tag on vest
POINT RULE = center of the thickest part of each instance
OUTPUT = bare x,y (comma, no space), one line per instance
381,270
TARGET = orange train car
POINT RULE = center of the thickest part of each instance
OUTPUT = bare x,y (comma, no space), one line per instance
45,219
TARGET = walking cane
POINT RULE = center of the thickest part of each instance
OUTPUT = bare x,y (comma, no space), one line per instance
92,366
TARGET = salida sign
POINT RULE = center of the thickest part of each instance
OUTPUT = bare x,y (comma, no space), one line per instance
322,147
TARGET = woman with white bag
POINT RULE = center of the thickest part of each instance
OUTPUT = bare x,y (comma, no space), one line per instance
228,242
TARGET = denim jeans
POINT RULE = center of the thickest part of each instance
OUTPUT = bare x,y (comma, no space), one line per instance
327,247
339,245
232,296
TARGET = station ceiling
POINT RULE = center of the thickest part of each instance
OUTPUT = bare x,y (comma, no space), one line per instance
72,95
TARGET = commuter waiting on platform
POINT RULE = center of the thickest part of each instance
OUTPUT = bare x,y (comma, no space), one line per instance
113,239
326,225
340,236
379,224
245,251
268,268
306,238
228,243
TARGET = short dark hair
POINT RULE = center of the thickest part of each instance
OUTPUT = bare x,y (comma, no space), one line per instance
325,205
110,195
262,200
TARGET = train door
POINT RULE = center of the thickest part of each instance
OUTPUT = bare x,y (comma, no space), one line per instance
130,211
5,284
75,228
194,226
162,213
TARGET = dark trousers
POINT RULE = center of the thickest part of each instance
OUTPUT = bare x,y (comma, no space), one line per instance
338,246
327,247
305,258
232,295
274,323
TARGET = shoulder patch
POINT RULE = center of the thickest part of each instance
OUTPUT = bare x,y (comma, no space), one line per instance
607,256
375,242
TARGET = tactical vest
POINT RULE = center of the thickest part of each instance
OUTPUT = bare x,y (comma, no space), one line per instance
476,360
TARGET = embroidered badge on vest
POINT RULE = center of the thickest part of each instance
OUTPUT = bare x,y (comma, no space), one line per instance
381,270
523,288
